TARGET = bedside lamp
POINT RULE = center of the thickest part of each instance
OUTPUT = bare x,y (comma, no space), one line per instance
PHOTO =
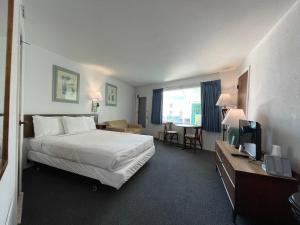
224,101
232,119
96,97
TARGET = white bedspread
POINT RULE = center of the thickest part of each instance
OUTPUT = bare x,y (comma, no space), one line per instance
104,149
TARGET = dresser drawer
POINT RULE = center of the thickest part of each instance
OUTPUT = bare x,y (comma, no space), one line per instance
219,154
228,168
219,164
230,190
226,173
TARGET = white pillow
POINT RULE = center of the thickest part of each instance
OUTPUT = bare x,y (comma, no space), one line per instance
73,125
90,122
47,126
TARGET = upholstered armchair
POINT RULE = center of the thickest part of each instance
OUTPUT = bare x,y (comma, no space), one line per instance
123,126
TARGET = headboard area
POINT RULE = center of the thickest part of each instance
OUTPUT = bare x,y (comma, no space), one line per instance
28,122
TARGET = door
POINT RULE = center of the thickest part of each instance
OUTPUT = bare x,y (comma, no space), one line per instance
243,92
142,111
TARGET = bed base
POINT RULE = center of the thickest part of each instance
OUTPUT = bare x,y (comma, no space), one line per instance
114,179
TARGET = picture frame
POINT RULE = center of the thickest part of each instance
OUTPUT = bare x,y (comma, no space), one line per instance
111,94
65,85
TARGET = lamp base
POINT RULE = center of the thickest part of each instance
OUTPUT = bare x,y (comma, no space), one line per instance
233,136
95,106
224,111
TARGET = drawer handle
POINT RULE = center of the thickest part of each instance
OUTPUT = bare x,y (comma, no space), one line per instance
228,175
219,157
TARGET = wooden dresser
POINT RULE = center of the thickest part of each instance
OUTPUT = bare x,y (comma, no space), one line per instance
250,189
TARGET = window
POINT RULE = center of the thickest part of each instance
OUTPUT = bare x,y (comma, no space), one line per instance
182,106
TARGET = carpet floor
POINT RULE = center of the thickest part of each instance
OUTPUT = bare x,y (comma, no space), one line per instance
176,187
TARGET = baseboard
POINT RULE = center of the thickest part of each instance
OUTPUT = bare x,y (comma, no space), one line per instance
20,207
10,219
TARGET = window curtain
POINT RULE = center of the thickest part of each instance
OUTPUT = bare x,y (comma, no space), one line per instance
210,92
157,105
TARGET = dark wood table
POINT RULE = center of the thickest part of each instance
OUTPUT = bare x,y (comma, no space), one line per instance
198,133
101,126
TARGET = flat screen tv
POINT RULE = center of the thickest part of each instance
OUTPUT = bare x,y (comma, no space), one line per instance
250,138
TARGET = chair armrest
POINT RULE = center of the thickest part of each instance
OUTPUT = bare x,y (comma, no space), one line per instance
131,125
117,129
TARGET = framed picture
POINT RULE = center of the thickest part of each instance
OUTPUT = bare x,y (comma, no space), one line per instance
65,86
111,94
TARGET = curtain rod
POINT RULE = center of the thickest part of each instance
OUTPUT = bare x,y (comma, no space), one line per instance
192,84
181,86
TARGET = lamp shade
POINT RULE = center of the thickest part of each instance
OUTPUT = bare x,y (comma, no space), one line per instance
225,100
233,117
96,96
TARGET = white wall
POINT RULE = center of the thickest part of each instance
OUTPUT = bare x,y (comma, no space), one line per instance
274,98
228,82
38,87
8,183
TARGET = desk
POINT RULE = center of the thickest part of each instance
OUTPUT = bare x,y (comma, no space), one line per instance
198,133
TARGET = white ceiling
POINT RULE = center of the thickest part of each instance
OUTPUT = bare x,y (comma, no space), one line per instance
150,41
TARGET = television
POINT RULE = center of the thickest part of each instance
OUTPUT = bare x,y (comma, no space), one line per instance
250,138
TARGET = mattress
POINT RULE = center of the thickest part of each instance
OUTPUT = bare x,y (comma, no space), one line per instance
102,149
114,179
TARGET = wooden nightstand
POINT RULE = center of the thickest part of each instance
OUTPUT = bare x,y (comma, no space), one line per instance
101,126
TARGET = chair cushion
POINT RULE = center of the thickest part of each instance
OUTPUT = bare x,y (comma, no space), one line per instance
172,132
190,135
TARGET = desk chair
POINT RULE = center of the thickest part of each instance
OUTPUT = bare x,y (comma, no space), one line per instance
191,139
170,135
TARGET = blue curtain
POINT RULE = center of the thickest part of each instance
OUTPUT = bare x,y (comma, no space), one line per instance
157,105
210,92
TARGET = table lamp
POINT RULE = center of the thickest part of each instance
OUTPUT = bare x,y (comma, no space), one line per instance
232,119
225,100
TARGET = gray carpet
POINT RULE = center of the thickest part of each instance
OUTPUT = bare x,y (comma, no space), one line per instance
176,187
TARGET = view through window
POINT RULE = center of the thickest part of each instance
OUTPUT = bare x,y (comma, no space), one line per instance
182,106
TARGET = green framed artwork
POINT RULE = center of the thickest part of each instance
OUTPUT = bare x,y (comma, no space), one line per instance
65,86
111,92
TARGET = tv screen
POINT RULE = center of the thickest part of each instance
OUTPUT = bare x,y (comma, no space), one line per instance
250,138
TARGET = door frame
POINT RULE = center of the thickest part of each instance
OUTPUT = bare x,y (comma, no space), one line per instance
138,110
248,86
20,113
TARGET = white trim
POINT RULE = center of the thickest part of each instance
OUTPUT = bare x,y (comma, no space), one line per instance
9,216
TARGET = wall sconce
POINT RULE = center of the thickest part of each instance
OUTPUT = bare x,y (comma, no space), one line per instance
96,97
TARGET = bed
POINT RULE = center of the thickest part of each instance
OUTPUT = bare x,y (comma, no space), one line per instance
110,157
